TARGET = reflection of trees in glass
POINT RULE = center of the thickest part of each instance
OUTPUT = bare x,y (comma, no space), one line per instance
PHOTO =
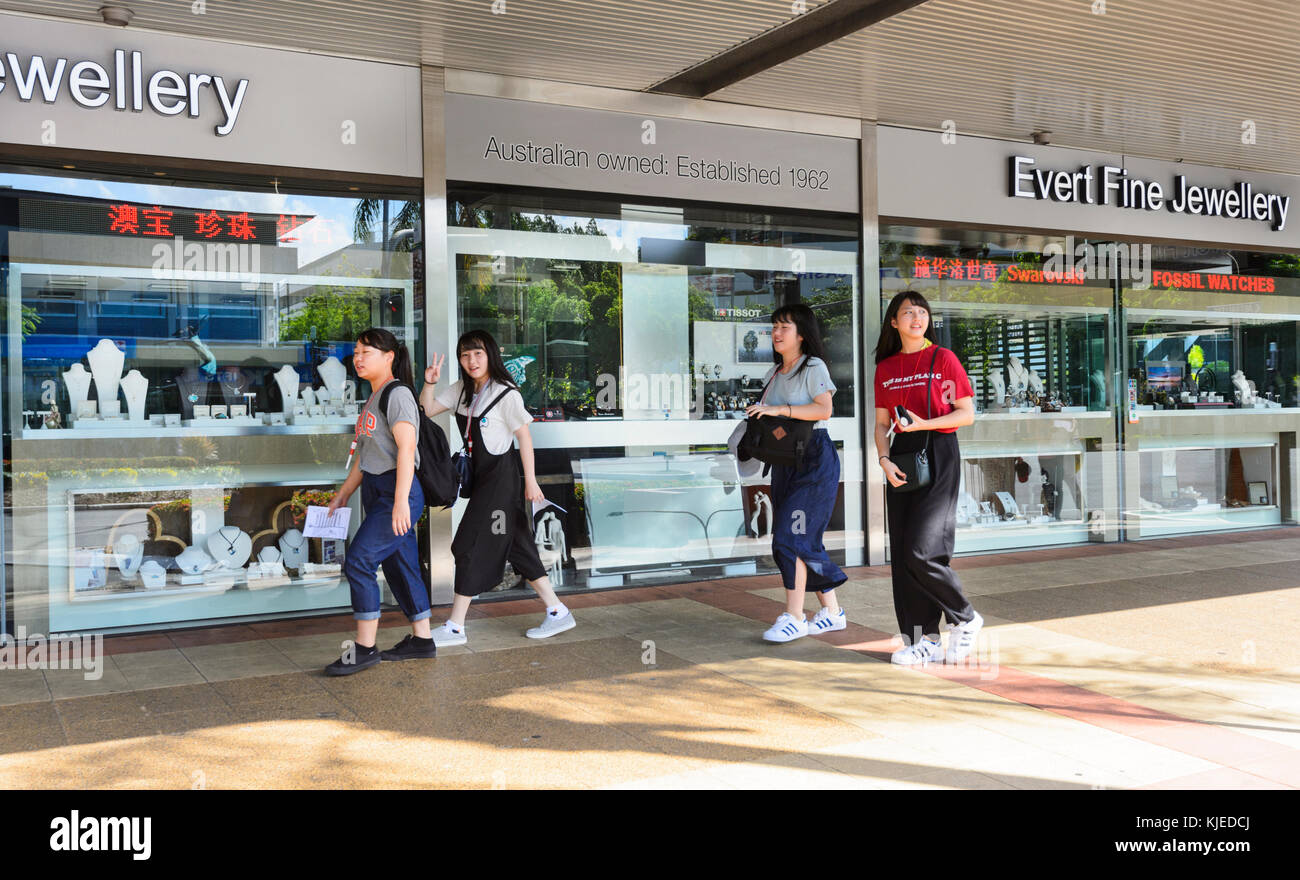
329,313
551,305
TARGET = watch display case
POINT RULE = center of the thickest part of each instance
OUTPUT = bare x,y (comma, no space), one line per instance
1190,486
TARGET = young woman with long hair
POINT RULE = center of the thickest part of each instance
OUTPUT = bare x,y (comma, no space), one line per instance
497,524
386,456
913,372
800,387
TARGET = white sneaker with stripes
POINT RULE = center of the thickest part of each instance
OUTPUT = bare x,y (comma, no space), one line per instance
961,639
827,621
924,651
786,629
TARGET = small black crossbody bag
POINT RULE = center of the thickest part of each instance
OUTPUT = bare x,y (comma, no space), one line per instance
916,465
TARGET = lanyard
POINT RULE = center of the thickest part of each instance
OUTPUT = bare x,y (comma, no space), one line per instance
469,419
352,450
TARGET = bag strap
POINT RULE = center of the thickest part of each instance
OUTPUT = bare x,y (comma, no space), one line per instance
470,417
388,391
775,372
929,381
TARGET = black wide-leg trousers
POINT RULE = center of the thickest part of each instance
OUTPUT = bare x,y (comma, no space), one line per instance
922,528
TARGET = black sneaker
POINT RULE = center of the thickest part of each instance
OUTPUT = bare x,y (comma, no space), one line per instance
409,649
359,662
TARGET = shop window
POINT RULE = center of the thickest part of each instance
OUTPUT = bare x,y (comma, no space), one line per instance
178,375
633,331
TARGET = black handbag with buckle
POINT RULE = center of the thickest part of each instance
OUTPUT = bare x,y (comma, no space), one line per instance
775,439
916,465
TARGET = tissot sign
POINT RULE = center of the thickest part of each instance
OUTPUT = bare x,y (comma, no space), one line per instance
124,84
1114,185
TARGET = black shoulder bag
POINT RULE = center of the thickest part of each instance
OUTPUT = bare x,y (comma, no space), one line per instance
775,439
916,465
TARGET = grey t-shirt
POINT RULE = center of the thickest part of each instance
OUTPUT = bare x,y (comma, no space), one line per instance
376,448
797,388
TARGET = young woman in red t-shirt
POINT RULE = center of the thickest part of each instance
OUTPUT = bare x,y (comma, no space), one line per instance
913,372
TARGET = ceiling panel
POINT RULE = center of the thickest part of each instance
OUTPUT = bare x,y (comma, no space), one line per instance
1172,79
615,43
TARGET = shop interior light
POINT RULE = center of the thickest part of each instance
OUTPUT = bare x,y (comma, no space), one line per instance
1174,334
564,267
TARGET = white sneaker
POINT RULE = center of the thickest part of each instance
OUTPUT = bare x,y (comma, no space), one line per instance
827,621
786,629
919,653
446,636
552,626
961,639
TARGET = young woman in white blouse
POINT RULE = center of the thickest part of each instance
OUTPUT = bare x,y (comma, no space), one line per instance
496,527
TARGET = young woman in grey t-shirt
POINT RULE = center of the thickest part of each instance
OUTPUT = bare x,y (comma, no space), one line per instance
384,469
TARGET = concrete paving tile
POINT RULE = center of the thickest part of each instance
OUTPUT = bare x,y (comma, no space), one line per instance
247,668
149,659
180,699
23,686
101,707
29,727
1223,778
788,772
64,683
695,780
269,687
221,653
176,723
298,707
164,676
112,730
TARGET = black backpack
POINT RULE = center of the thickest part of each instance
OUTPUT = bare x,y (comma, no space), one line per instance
435,472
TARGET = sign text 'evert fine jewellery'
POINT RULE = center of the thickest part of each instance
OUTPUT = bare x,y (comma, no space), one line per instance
1115,186
92,85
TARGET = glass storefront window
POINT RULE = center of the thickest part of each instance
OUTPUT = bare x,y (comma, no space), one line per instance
1211,352
632,330
1038,348
177,388
1205,341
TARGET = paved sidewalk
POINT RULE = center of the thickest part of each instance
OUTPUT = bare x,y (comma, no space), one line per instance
1163,664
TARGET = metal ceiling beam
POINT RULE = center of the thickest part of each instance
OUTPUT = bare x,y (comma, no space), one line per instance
811,30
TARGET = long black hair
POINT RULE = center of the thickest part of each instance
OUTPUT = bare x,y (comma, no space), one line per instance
891,343
497,372
806,325
384,340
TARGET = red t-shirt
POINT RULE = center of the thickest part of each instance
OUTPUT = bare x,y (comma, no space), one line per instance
904,378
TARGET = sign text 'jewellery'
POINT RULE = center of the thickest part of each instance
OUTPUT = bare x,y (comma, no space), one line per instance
92,85
1115,186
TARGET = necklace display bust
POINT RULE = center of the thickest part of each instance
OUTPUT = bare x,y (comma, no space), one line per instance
106,361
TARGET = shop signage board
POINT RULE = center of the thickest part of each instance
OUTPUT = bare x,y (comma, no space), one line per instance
987,181
507,141
90,87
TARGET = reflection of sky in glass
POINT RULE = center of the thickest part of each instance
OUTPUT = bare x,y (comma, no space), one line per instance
336,215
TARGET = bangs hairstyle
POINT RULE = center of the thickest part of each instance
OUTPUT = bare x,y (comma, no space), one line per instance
806,325
384,340
481,340
891,342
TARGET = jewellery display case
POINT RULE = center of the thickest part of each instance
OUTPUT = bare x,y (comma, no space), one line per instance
131,553
156,414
